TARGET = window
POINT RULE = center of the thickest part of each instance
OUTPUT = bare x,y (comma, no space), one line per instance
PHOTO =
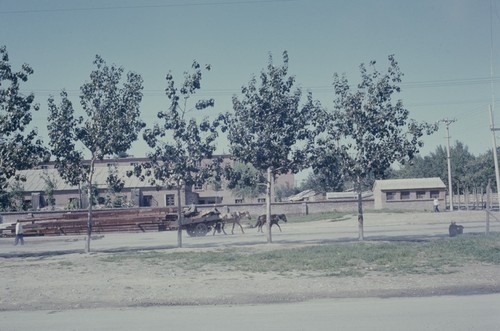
261,200
434,194
420,194
147,200
405,195
170,200
390,196
198,186
238,200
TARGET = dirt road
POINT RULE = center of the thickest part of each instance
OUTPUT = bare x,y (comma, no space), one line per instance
54,273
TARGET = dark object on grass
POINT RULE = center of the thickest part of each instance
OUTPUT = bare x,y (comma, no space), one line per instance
455,229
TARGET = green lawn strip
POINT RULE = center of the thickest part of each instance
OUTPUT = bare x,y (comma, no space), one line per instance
342,259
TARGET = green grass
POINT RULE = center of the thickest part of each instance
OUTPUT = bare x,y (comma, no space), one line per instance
342,259
334,216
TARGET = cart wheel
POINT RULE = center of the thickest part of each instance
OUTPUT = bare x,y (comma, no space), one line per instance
191,231
200,229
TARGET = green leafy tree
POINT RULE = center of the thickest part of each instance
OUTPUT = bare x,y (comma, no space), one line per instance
481,171
270,128
284,191
245,181
111,123
180,143
466,172
115,185
20,147
323,182
13,200
367,131
50,187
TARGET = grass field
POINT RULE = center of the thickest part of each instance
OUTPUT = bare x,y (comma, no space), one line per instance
437,256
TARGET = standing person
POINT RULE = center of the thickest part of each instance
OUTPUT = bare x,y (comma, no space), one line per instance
19,233
436,205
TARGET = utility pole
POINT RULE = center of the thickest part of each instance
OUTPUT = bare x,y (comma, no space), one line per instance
447,122
495,158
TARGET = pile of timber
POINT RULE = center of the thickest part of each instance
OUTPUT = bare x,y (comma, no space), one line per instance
103,221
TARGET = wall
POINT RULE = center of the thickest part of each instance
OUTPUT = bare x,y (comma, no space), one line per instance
421,204
289,208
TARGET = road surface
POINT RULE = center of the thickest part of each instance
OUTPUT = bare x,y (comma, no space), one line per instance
443,313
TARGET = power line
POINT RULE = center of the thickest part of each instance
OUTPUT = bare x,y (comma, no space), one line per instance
192,4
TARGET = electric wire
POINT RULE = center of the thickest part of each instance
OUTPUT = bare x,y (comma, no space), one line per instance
189,4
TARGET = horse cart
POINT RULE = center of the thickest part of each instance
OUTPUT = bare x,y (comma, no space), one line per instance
196,225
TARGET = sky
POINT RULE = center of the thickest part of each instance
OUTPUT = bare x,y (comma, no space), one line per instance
448,50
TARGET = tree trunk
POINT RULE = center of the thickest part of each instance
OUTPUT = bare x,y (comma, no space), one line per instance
361,236
89,218
268,205
180,217
89,209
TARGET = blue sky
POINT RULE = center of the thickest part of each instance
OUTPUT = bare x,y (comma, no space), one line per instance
443,48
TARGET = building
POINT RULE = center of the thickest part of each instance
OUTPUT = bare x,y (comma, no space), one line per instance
409,194
134,193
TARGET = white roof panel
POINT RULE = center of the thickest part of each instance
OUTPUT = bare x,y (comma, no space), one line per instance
409,183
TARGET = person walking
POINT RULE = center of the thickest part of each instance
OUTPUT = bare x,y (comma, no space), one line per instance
19,233
436,205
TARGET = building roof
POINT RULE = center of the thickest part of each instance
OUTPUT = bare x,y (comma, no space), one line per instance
347,195
35,179
408,184
304,195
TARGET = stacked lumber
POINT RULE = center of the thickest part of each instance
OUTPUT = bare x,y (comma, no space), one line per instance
103,221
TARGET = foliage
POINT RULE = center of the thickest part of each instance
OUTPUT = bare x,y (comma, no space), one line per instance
284,191
245,181
367,131
115,185
94,195
20,147
13,200
323,181
269,125
481,170
50,187
269,128
468,171
110,125
180,144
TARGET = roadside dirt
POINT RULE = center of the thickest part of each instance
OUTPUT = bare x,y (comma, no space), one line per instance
69,280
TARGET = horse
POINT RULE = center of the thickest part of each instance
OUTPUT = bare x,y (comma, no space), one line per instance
234,218
275,218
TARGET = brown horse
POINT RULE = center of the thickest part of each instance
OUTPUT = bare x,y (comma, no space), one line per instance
275,218
234,218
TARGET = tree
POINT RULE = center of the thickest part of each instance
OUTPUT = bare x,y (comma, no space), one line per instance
180,144
50,187
481,170
284,191
366,131
115,184
323,182
20,147
269,129
244,180
110,125
465,170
